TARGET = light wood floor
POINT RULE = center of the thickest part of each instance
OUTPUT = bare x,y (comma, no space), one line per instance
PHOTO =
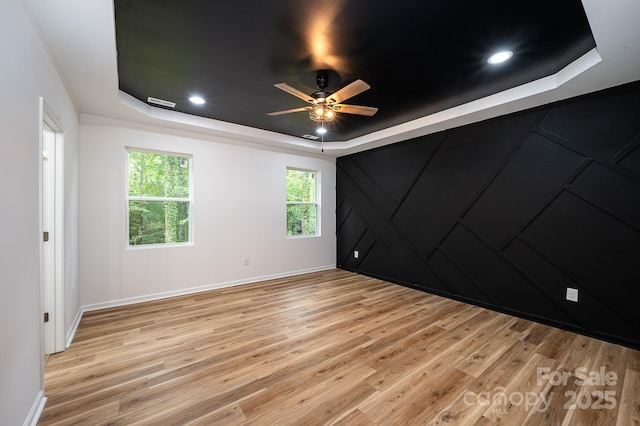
332,348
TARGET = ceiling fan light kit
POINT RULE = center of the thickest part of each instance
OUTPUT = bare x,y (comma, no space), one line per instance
322,112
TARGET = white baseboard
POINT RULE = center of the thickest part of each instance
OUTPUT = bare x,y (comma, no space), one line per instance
74,326
200,289
36,410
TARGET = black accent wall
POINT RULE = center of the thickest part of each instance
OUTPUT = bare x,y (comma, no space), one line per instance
509,212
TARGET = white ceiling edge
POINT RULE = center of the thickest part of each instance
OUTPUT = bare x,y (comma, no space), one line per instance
89,120
474,111
208,126
80,38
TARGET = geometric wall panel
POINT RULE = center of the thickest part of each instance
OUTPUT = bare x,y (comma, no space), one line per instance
457,172
394,182
379,262
465,287
597,126
589,312
532,175
593,248
595,183
631,159
490,271
509,212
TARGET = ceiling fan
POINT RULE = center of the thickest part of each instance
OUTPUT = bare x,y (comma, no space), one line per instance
325,105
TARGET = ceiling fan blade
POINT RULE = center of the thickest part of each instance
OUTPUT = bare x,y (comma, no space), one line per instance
287,111
295,92
356,109
349,91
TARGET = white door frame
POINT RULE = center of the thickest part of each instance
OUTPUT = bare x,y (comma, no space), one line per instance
52,221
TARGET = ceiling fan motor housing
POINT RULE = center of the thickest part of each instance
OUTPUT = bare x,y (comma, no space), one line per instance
322,80
321,94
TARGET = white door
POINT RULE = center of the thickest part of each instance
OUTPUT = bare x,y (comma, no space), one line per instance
52,267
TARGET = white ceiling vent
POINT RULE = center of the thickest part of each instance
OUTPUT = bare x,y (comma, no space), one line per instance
312,137
161,102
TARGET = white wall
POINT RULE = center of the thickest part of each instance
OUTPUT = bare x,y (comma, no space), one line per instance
238,212
26,73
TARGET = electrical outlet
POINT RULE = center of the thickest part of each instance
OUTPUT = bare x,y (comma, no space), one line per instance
355,254
572,294
246,261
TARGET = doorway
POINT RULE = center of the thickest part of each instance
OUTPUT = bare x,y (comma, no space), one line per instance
52,217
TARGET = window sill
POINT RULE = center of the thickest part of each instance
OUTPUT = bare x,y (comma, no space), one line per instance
159,246
297,237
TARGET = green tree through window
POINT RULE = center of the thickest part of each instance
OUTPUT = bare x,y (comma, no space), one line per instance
302,202
159,198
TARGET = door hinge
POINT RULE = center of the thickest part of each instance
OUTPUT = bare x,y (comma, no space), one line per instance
46,317
45,236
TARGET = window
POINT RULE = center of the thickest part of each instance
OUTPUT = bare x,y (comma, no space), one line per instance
158,198
302,203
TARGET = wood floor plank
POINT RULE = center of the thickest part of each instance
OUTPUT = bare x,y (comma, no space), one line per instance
84,385
462,411
629,411
285,383
554,344
504,368
493,323
431,397
401,385
590,408
537,333
407,356
354,418
388,335
557,393
272,407
331,347
634,361
512,404
521,325
94,415
449,322
228,415
334,405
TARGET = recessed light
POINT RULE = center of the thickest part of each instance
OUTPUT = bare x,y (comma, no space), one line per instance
500,57
197,100
321,130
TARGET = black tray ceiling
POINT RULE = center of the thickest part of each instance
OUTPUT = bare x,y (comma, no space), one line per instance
419,57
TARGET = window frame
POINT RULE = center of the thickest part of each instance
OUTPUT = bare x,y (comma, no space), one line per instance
316,202
128,198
